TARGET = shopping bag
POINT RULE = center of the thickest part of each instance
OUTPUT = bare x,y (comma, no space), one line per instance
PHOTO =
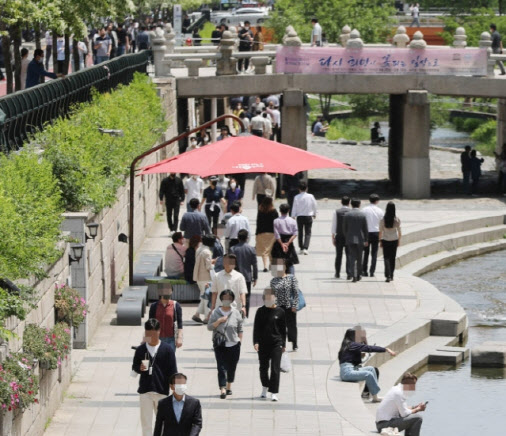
286,365
302,301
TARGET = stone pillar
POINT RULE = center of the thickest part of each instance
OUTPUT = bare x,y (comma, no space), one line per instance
214,114
401,39
226,64
345,35
193,66
395,139
75,224
418,42
486,42
460,38
501,125
158,47
415,162
355,42
293,114
260,64
170,38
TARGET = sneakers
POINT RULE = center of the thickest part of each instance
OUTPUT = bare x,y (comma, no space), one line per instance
305,252
196,319
301,251
274,397
390,431
376,399
264,392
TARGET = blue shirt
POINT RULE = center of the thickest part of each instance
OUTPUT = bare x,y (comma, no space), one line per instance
194,223
178,407
34,72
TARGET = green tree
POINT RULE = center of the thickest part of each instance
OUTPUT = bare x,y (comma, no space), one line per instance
371,18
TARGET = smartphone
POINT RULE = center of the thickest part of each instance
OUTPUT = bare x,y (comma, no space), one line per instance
426,402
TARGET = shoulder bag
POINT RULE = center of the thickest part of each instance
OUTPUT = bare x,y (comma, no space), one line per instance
219,338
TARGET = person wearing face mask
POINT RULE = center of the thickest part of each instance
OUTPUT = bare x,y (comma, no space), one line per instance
193,187
350,360
233,193
393,411
155,362
211,200
35,70
269,340
245,44
226,325
178,414
193,144
170,316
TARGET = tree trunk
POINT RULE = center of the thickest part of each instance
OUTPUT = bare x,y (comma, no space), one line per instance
325,100
75,53
6,47
55,52
37,36
67,54
16,36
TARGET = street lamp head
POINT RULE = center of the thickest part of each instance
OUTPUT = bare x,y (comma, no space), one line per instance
76,253
93,228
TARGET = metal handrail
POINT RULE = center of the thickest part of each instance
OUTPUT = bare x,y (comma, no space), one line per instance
24,112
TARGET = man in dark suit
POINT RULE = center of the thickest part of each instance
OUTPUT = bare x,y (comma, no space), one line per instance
339,239
356,234
179,414
173,190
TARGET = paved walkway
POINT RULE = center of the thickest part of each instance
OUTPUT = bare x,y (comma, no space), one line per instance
102,398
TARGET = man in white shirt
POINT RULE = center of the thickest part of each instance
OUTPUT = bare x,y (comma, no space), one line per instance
235,223
273,111
193,188
394,412
373,215
316,33
257,124
174,257
415,13
231,279
304,211
268,125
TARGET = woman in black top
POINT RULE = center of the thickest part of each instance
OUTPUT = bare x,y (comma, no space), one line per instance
212,199
350,359
265,239
269,339
189,258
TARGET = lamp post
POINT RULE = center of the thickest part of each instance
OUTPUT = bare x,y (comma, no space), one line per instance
93,228
132,183
76,253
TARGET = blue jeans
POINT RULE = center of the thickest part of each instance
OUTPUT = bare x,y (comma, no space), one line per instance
101,59
171,342
367,373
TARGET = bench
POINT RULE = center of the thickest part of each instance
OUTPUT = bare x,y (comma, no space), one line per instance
139,292
182,291
148,256
145,268
129,310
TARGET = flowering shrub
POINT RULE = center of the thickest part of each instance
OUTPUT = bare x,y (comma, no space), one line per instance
71,308
49,346
19,386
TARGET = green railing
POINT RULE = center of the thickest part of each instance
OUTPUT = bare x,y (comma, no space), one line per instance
25,112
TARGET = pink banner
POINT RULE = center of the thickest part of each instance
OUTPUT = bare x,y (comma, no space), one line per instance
371,60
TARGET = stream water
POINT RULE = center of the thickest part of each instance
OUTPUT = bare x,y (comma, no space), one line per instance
465,401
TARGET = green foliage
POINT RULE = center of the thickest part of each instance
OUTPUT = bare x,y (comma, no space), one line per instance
371,19
49,346
467,124
19,386
354,129
30,215
486,137
369,104
70,307
90,166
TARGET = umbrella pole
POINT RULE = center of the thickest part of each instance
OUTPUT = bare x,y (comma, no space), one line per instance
132,183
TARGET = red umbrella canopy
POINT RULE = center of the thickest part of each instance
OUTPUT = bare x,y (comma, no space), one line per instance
243,154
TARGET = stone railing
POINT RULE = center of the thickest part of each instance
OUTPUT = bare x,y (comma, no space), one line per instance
224,56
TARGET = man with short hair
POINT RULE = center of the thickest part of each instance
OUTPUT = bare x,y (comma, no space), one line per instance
263,186
356,233
36,70
316,33
245,45
465,162
304,211
497,46
194,222
268,125
339,238
318,128
193,188
123,41
415,13
103,46
155,362
179,414
257,124
273,111
231,279
174,257
393,411
170,316
373,215
143,40
246,262
24,66
236,223
172,190
216,35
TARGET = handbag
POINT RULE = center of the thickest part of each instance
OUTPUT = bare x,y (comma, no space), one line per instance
302,300
219,338
286,364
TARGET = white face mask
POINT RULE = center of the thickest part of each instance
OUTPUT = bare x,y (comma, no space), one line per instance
180,389
226,303
233,185
269,302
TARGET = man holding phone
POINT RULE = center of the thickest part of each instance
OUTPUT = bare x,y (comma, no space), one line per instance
394,412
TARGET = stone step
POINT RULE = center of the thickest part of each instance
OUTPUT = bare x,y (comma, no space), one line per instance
449,355
490,354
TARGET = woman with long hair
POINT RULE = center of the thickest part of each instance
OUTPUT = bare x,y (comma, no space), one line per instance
390,239
350,360
190,256
265,239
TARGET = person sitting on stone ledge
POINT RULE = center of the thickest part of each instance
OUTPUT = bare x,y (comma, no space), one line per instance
350,359
376,134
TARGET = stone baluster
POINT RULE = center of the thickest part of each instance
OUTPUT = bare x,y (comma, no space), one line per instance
158,48
345,35
170,38
226,64
486,42
418,42
291,39
401,39
193,66
287,31
260,64
355,42
460,38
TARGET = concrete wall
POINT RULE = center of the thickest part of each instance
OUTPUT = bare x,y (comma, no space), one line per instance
105,264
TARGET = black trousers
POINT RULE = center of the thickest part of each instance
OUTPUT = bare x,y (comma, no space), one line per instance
389,254
372,247
270,355
356,251
213,216
291,326
242,62
172,214
248,296
256,132
226,362
340,246
304,225
290,195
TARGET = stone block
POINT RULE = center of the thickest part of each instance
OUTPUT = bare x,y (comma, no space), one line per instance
193,66
446,357
293,97
490,354
129,311
448,324
260,64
